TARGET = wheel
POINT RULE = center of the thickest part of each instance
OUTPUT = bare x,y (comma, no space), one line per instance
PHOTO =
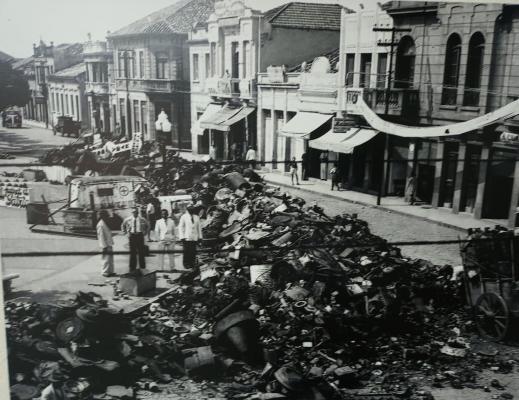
492,316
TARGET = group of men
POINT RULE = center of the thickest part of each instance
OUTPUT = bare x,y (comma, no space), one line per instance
138,228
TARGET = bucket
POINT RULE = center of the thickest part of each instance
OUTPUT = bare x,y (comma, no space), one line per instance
37,213
261,273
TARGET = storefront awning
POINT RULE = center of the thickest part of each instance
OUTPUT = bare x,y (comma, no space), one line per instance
225,117
303,124
343,142
209,112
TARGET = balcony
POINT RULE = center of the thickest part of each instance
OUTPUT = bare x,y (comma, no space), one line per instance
97,88
401,101
231,87
150,85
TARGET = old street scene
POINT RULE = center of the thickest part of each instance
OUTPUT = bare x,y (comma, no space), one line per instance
235,199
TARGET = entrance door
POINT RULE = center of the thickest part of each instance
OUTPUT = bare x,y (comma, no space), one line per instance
499,185
468,199
425,184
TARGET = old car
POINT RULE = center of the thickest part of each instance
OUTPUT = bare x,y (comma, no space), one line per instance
12,119
67,126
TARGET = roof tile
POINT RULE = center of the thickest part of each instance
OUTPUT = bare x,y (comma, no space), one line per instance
307,16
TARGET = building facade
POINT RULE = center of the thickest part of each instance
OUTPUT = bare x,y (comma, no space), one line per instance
227,54
151,73
66,95
45,61
98,61
450,64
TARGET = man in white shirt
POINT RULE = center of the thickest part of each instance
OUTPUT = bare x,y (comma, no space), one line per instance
250,157
165,233
136,227
106,242
189,232
150,215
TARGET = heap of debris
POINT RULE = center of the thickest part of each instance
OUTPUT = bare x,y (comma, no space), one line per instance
288,302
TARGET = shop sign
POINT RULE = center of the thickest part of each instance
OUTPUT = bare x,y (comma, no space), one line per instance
353,101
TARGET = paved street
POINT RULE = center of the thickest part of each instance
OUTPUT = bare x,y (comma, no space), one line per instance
29,141
394,227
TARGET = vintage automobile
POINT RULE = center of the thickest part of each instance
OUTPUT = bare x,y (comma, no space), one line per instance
12,119
67,126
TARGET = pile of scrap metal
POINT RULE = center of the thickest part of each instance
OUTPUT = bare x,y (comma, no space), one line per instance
287,302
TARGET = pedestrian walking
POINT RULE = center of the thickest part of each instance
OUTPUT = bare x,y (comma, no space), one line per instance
335,176
304,167
189,232
165,233
410,190
106,242
250,157
293,170
150,216
136,227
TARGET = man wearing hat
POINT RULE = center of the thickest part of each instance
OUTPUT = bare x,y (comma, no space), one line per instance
136,227
189,232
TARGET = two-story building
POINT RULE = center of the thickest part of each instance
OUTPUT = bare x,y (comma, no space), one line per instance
151,68
227,53
99,73
46,60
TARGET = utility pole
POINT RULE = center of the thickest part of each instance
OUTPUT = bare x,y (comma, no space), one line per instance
392,43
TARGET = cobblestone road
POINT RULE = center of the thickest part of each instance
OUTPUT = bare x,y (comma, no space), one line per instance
395,228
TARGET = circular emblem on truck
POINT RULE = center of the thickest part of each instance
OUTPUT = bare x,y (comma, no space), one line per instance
123,190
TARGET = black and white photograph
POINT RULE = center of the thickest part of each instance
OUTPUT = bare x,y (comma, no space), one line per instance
259,200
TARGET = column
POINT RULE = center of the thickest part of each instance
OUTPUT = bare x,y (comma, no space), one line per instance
514,198
438,174
484,164
226,145
459,184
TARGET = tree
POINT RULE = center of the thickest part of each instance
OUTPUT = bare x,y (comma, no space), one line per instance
14,88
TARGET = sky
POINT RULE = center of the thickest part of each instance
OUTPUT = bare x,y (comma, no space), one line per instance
24,22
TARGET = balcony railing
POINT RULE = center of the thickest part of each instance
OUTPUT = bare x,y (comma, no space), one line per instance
98,88
231,87
400,101
149,85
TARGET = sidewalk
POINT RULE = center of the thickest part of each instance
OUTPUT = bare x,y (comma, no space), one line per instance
86,277
440,216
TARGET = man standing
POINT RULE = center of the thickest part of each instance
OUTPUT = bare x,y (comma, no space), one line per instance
189,232
250,157
304,167
150,216
165,233
106,242
137,228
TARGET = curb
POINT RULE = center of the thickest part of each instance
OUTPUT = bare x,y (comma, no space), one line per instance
381,207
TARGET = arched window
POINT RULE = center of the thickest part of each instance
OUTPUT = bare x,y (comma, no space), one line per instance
474,68
452,70
405,59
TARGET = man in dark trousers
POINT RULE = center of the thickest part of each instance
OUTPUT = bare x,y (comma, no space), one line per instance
190,233
136,227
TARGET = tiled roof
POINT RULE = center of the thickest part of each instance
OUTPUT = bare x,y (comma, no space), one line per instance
23,63
306,16
72,71
177,18
332,56
5,57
